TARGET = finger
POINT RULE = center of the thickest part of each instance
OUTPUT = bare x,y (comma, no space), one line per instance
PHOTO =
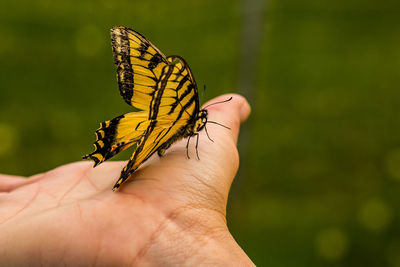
10,182
230,114
212,175
224,156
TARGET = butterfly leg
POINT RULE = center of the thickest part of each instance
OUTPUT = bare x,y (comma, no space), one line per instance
197,145
187,147
205,127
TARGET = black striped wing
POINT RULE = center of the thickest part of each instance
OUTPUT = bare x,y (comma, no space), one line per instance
139,66
162,87
117,134
172,114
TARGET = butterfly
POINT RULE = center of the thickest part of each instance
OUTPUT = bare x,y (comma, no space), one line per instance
162,88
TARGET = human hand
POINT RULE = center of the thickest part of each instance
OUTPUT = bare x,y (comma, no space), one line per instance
171,212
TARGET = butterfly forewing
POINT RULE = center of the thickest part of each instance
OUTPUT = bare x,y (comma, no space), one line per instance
139,66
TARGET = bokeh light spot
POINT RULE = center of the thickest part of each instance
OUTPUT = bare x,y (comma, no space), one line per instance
331,244
393,163
8,137
375,215
89,40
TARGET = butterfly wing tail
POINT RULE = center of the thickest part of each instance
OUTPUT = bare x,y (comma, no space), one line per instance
117,134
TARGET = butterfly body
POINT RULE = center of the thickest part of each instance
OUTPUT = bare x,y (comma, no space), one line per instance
165,91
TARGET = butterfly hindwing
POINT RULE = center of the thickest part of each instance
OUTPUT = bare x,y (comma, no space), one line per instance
117,134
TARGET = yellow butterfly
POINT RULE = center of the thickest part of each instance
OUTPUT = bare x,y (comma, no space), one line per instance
166,92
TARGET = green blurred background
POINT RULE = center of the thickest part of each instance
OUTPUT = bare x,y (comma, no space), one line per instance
319,183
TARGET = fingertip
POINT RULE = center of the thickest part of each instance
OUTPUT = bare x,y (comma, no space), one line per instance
229,98
238,103
10,182
230,113
245,110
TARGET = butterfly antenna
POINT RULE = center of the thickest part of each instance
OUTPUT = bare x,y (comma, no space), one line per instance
219,124
227,100
205,127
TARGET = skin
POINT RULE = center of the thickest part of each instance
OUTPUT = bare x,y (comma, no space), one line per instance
171,212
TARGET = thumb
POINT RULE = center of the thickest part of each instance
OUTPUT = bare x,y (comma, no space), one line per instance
220,159
206,181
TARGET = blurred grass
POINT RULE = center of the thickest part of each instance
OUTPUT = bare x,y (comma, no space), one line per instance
321,186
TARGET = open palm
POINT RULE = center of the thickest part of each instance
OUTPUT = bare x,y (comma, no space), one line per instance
172,212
